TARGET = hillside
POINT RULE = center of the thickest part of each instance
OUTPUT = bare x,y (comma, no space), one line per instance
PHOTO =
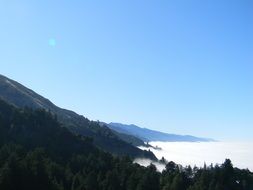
21,97
36,152
152,135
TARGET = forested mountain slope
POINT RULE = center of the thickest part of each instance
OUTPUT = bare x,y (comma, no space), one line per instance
20,96
37,153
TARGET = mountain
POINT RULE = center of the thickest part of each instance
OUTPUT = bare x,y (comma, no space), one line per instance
40,129
131,139
19,96
152,135
36,152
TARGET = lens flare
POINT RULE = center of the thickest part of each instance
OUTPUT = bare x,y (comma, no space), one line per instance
52,42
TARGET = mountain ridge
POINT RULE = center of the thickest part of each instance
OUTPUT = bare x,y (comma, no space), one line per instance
152,135
19,96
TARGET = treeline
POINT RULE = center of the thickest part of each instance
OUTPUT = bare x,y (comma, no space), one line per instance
223,177
37,153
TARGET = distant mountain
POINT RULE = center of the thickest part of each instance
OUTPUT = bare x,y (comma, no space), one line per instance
20,97
131,139
152,135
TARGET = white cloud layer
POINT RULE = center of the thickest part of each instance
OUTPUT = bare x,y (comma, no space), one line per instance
187,153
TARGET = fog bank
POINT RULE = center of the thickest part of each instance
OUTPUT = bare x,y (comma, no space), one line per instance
198,153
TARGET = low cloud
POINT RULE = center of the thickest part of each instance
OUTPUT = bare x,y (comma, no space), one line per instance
146,162
196,154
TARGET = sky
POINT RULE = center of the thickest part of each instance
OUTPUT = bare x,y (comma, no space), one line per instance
183,67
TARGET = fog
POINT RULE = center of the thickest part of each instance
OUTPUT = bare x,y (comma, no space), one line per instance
198,153
146,162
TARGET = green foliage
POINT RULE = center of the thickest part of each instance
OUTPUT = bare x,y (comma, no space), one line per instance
36,152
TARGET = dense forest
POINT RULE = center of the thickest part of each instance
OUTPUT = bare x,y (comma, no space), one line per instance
36,152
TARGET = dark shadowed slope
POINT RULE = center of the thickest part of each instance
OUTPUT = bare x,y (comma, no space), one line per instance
151,135
20,96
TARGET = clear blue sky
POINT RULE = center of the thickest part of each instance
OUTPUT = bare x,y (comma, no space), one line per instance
177,66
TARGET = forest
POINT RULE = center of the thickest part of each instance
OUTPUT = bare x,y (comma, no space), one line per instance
37,152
